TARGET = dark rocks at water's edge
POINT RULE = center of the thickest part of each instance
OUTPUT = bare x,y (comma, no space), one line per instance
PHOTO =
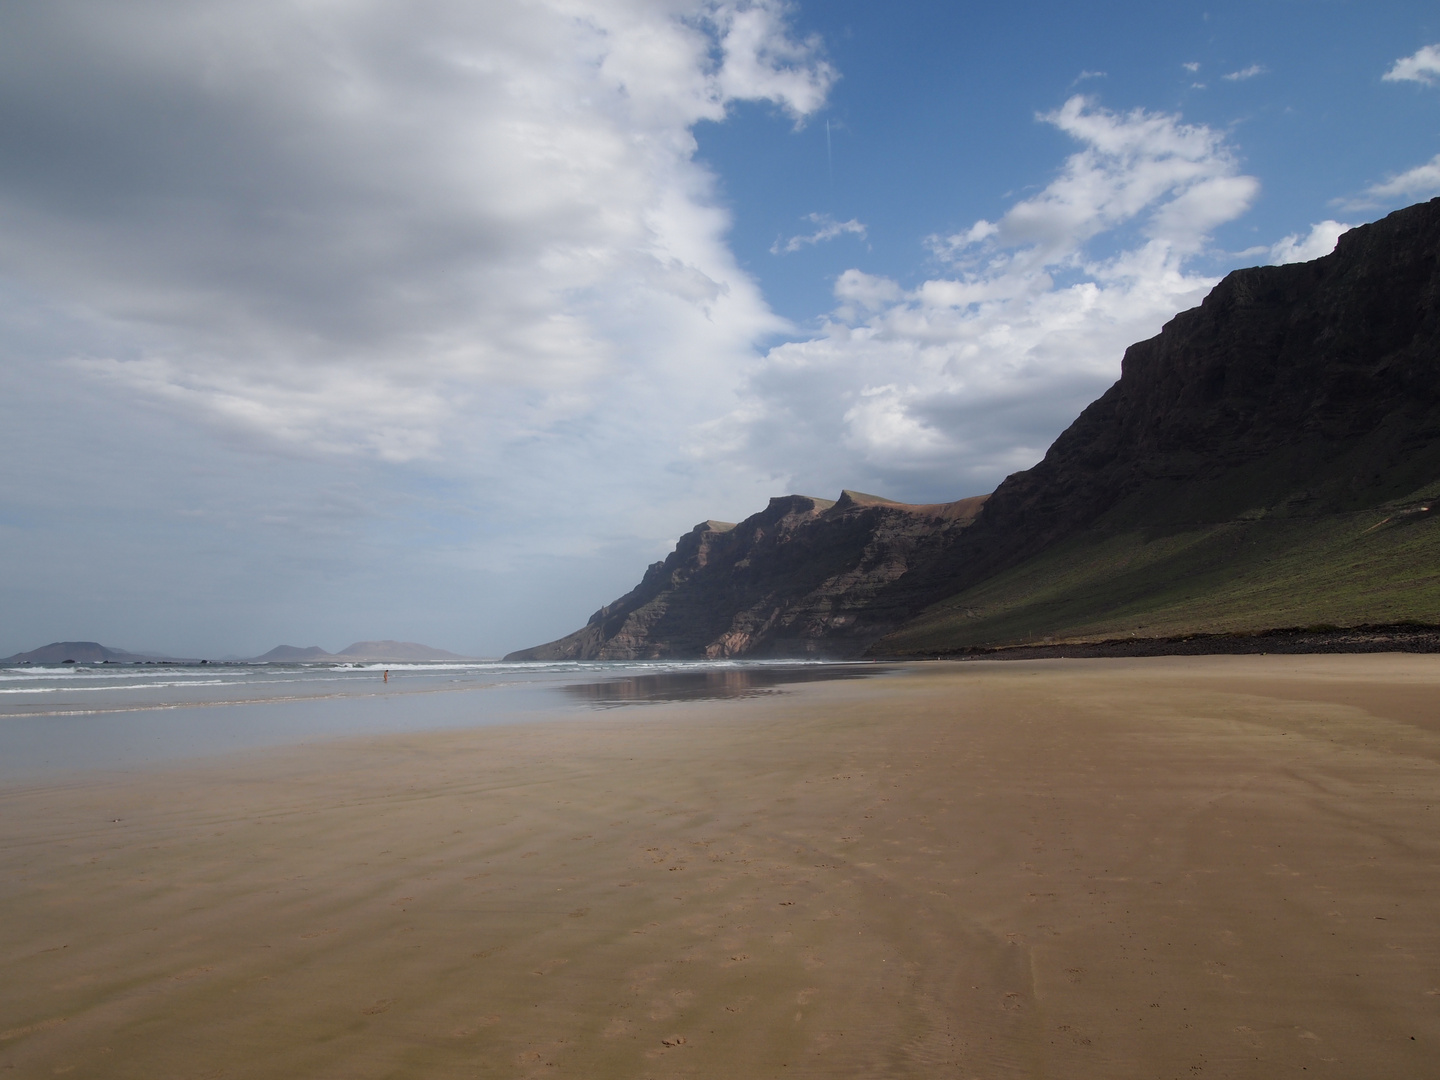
1282,641
804,577
1306,389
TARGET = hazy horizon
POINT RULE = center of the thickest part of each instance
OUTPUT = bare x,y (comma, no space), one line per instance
440,323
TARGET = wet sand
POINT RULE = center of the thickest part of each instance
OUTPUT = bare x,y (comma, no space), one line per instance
1179,866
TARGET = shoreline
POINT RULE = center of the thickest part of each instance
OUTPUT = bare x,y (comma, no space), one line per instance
1112,868
1290,641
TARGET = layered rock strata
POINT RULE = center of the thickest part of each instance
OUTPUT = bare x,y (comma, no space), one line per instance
804,577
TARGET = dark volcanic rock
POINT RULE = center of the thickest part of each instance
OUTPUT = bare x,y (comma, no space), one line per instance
1289,640
1315,383
803,577
1307,389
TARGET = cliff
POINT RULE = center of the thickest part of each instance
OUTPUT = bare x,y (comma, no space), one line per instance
804,577
1314,383
1268,460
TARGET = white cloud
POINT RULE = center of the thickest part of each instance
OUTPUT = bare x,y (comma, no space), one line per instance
1244,73
828,229
941,389
1423,181
459,255
1320,241
1422,67
1179,178
402,233
1191,66
762,62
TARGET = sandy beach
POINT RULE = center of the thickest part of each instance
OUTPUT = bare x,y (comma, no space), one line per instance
1166,867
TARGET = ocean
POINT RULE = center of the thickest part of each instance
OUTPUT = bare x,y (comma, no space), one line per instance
80,717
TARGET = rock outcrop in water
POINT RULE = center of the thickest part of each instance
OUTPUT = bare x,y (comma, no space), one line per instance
1284,429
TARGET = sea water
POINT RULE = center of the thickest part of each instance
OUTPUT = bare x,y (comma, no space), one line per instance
89,716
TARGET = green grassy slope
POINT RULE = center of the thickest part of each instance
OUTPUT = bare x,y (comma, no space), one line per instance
1258,570
1269,460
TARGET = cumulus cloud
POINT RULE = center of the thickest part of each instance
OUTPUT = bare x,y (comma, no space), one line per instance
1422,67
1244,73
762,62
391,231
941,389
1318,242
455,260
1421,182
827,229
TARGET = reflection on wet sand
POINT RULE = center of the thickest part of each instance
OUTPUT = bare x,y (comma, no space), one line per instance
712,684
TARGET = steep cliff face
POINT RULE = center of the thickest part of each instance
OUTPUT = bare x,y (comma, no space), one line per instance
1314,384
1271,458
1294,411
803,577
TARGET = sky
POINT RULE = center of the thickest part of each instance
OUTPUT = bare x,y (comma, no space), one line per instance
328,320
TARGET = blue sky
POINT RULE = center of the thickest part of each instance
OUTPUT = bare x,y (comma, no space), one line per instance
933,118
440,321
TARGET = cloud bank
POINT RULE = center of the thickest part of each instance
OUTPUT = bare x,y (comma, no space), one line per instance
940,389
410,233
364,319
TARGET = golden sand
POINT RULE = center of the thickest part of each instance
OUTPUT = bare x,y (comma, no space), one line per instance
1177,867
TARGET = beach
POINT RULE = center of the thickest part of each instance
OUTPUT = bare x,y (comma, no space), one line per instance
1148,867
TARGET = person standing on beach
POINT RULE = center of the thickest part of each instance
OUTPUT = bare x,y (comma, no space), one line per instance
387,675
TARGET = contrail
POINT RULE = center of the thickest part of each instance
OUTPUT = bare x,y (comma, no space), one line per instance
829,157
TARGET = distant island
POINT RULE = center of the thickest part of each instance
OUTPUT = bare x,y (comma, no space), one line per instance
85,652
92,652
1264,477
373,651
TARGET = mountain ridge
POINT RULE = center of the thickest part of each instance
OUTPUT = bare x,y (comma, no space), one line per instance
374,651
787,581
1269,459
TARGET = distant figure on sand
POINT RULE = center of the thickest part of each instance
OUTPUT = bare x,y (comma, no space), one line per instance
387,674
